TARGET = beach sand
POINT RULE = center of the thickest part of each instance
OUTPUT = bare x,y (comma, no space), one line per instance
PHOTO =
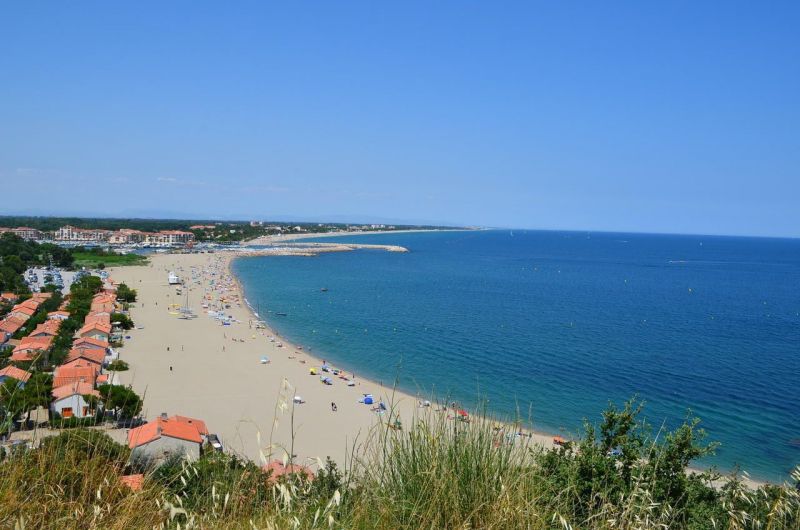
203,369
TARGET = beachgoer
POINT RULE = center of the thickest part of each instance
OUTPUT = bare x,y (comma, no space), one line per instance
167,348
170,368
333,407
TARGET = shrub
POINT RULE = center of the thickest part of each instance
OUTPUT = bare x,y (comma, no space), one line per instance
118,365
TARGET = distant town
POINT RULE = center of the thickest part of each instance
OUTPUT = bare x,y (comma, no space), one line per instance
168,233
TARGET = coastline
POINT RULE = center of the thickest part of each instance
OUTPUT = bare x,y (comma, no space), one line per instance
202,368
257,432
284,238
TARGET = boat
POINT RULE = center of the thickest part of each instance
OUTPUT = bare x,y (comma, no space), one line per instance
281,314
324,289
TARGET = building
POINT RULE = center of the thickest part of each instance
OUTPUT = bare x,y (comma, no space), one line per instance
11,325
96,356
127,236
26,232
71,233
70,401
77,371
12,372
31,347
58,315
88,342
170,238
9,297
48,328
95,330
163,437
277,469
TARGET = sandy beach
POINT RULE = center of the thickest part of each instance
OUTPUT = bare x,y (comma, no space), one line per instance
202,368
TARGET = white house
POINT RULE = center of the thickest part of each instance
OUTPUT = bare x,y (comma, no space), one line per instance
69,401
164,437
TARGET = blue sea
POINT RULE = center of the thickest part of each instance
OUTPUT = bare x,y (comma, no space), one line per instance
554,325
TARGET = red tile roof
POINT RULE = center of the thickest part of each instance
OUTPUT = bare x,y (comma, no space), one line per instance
74,388
134,482
58,314
95,355
89,341
23,310
16,373
79,371
28,346
178,427
48,327
95,326
32,303
200,425
276,468
98,318
11,324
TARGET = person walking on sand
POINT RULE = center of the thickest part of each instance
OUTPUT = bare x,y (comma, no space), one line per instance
334,408
170,368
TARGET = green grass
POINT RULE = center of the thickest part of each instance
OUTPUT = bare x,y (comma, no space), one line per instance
91,260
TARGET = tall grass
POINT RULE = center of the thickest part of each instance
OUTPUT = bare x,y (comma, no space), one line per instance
434,473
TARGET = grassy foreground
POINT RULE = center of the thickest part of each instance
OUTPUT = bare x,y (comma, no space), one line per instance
436,473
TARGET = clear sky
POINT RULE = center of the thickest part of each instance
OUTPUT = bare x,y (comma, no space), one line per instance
640,116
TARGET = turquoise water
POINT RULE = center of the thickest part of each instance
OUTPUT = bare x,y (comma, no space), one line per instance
557,324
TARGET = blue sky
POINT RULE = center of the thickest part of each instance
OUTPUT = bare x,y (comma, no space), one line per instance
640,116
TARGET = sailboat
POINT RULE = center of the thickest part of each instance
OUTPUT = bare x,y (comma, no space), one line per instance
185,311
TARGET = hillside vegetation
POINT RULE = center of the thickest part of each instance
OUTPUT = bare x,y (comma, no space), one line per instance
436,473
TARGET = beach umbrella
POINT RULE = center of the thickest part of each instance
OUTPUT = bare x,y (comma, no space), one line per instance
463,413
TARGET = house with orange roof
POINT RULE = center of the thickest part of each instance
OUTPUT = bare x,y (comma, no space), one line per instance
88,342
77,371
70,400
48,328
11,325
31,302
58,315
12,372
163,437
134,482
277,469
95,330
31,347
21,312
93,355
9,297
99,318
41,297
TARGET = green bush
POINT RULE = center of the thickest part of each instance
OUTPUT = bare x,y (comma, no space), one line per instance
118,365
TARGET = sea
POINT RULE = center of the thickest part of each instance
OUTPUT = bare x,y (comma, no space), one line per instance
551,327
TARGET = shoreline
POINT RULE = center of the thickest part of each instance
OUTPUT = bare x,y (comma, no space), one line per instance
291,360
284,238
209,370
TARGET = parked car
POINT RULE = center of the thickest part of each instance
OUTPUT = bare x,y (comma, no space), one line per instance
214,441
130,423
